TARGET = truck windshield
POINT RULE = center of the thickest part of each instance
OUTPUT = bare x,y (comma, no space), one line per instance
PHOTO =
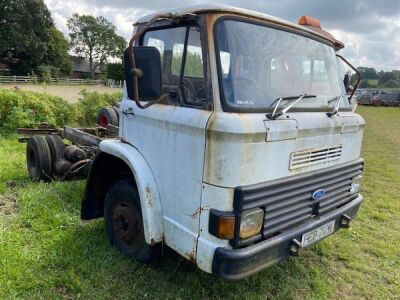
259,64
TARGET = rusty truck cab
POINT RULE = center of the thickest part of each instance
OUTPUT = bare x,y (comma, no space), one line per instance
239,134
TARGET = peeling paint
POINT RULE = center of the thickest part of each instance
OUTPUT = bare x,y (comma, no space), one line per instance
195,214
148,195
198,211
147,188
191,256
238,154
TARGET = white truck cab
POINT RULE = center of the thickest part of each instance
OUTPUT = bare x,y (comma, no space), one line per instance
237,144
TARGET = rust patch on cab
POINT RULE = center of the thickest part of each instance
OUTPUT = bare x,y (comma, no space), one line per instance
149,198
198,211
191,256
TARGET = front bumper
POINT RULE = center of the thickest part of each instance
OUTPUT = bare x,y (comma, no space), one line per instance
238,263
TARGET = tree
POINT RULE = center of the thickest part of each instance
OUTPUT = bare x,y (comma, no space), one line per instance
386,76
24,34
193,64
391,84
365,84
57,52
114,71
367,73
95,39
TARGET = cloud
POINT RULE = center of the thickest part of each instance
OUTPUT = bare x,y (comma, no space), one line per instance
369,29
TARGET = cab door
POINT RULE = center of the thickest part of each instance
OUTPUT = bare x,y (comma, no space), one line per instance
171,135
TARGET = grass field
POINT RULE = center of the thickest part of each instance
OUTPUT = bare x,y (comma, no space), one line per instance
47,252
373,82
68,92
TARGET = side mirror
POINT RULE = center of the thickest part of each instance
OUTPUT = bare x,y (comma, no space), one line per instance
148,68
346,82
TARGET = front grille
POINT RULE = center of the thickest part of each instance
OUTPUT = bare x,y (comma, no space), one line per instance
288,202
314,156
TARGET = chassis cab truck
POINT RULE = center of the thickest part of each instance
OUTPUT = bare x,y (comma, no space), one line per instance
237,143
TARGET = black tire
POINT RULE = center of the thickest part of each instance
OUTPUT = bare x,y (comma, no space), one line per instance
62,167
116,109
124,223
74,153
57,148
107,115
38,158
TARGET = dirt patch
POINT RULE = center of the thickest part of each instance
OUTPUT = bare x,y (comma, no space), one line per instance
8,204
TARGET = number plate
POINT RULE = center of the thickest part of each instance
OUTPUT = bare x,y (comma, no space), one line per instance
317,234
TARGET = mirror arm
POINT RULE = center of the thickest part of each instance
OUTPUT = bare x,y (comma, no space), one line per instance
355,70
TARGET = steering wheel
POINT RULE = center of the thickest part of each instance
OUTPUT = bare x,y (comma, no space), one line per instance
188,89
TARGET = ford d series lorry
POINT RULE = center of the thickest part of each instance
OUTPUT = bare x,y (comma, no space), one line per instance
237,145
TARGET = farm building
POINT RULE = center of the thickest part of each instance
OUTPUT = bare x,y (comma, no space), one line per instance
81,69
4,69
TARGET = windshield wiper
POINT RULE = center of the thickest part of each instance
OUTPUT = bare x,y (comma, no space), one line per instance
274,114
336,108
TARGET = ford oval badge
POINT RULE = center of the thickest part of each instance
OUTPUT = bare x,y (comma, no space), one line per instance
318,194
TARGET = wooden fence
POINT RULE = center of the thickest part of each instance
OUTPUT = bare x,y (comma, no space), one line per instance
33,80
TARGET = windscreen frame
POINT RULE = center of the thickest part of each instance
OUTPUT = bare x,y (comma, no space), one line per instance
224,103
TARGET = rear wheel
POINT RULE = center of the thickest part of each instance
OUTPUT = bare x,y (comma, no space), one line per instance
124,223
57,148
38,158
107,115
116,109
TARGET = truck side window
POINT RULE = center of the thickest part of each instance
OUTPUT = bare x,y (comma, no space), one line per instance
180,59
159,44
194,58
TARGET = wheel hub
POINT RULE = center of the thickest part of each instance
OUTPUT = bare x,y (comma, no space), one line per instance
103,122
126,224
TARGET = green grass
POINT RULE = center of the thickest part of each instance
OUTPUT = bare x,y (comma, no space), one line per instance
373,82
46,251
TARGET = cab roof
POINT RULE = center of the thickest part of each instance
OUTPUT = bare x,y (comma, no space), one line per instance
205,8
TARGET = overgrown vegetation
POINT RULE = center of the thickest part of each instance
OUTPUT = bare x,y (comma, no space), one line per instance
90,104
47,252
29,109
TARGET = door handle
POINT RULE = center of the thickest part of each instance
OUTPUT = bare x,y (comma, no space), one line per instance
128,111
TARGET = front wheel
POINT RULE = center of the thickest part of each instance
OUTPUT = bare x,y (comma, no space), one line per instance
124,223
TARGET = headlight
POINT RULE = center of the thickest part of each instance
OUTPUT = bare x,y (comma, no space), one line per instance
356,185
251,222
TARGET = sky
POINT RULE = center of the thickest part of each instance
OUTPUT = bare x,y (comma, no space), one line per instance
370,29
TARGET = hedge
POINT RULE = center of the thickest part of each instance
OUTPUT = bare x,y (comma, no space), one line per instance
28,109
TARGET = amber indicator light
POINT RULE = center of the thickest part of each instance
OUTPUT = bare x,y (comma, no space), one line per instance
309,21
226,227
